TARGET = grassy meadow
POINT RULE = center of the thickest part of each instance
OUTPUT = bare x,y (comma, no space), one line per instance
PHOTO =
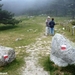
62,22
23,34
18,37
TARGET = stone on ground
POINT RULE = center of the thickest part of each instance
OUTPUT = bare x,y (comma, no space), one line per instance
7,55
62,52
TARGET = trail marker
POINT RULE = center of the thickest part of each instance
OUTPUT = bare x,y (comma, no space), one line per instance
63,47
6,57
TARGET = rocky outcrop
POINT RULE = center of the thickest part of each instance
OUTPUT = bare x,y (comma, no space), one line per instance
62,52
7,55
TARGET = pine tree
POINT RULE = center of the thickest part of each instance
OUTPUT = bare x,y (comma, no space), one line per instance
7,17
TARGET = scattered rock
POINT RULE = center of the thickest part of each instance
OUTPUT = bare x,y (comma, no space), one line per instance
36,49
18,39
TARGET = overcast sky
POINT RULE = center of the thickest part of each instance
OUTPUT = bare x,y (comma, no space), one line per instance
20,5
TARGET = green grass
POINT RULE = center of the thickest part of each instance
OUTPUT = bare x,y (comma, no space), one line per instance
48,65
53,69
67,32
45,60
28,30
69,70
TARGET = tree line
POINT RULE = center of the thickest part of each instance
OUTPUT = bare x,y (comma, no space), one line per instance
56,8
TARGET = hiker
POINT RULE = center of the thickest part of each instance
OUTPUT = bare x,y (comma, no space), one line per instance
47,25
51,26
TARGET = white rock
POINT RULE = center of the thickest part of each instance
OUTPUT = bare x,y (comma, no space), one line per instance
59,56
7,55
18,39
63,28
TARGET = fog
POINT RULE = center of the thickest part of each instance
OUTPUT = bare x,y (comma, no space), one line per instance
18,6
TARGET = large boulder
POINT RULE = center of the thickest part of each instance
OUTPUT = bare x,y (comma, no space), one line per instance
62,52
7,55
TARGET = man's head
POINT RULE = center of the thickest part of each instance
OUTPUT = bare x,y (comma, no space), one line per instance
52,19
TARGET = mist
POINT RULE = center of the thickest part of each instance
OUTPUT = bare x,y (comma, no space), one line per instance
18,6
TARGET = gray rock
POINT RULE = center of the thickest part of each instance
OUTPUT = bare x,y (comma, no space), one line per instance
62,57
7,55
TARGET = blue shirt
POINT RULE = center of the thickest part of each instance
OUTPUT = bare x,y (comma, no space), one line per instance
51,24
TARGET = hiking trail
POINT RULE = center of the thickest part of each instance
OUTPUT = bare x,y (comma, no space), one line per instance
40,47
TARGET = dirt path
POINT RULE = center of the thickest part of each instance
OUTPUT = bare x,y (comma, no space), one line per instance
42,47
